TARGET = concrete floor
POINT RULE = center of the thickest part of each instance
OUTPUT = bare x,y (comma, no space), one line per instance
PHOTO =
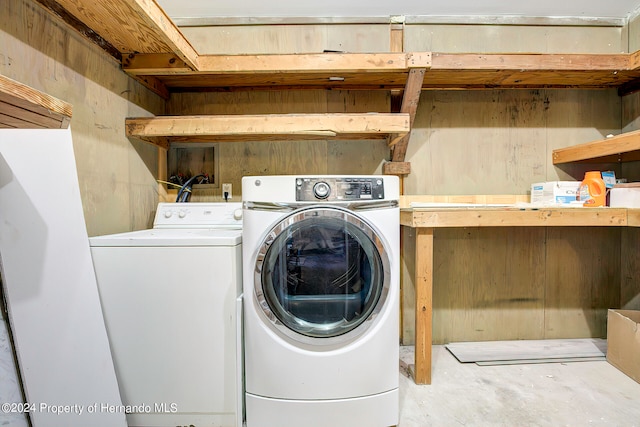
549,394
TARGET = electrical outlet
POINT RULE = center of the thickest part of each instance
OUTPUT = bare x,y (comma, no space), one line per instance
226,188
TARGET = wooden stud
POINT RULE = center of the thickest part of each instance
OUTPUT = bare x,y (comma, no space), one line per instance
396,168
409,105
424,304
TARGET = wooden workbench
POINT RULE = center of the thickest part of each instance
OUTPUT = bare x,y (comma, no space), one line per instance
425,220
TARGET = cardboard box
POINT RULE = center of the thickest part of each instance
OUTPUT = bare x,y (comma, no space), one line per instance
623,341
554,192
625,195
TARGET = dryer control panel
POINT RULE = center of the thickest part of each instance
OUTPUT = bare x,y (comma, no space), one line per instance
332,189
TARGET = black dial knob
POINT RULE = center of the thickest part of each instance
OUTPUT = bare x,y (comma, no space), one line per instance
321,190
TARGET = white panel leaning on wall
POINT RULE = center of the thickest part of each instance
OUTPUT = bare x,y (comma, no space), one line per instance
10,391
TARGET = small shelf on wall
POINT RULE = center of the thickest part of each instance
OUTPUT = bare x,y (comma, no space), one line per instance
23,107
166,130
619,148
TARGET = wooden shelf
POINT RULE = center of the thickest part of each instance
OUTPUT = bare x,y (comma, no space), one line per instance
154,51
384,71
26,108
633,217
468,71
163,130
620,148
166,73
513,217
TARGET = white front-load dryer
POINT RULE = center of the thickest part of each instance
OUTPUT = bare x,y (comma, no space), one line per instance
321,287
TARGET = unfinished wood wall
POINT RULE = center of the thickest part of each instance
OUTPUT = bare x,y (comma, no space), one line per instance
288,157
630,242
257,39
509,283
517,283
116,175
238,159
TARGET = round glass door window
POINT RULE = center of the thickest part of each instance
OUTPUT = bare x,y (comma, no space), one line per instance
322,272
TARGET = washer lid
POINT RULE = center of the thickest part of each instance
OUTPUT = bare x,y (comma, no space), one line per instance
171,237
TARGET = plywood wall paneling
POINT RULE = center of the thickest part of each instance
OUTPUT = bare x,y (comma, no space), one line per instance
486,142
357,157
583,280
488,284
256,39
343,101
630,112
116,178
633,29
264,158
288,38
254,102
575,117
289,157
630,269
500,199
630,122
483,142
512,39
358,38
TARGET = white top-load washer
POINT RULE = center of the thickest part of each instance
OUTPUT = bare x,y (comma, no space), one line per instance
321,291
172,300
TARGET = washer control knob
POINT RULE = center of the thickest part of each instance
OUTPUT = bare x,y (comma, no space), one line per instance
182,214
237,214
321,190
167,214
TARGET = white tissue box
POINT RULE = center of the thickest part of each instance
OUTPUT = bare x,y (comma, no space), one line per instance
625,195
554,192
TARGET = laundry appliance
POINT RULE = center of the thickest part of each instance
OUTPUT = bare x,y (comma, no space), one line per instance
321,285
172,300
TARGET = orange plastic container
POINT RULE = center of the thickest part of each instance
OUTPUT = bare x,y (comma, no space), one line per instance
592,190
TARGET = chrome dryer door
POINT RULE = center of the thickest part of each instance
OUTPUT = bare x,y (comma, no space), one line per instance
322,273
